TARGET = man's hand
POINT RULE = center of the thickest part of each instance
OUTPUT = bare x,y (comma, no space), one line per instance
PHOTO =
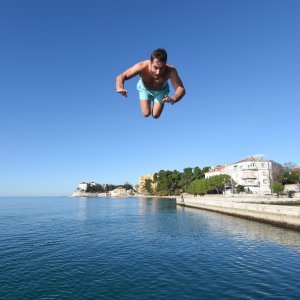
169,100
123,92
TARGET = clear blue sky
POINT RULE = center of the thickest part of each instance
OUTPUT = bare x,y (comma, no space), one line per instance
62,122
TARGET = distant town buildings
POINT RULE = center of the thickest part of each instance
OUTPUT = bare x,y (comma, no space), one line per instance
255,174
90,189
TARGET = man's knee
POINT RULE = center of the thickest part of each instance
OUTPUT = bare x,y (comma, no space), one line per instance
157,110
146,114
156,115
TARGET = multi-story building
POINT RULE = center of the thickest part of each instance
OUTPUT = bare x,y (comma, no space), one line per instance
253,173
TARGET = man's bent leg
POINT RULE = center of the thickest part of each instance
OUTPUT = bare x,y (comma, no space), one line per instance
146,107
157,109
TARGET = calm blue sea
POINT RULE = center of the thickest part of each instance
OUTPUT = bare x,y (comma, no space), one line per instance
102,248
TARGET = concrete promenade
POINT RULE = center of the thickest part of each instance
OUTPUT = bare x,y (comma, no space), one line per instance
264,209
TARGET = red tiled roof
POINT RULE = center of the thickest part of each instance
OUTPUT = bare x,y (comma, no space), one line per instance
219,168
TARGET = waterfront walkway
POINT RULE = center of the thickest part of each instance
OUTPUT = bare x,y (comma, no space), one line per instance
278,211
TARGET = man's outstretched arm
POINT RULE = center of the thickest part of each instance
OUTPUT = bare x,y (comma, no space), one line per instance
129,73
178,87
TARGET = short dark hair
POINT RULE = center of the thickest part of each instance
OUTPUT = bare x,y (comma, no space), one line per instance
160,54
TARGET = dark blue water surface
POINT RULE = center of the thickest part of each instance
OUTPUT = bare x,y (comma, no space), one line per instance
89,248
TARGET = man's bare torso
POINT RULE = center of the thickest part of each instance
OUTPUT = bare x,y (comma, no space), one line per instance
148,79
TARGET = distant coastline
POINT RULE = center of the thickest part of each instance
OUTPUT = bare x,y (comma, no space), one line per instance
82,194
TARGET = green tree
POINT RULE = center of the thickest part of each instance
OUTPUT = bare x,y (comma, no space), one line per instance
164,183
205,170
109,187
127,186
155,178
291,177
148,186
174,182
186,178
175,179
198,174
277,188
214,184
240,189
217,182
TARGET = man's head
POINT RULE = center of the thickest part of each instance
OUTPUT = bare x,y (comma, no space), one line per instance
160,54
158,62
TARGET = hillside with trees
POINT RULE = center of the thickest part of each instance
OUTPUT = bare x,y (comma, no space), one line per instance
173,183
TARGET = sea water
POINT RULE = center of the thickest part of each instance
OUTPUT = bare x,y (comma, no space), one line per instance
139,248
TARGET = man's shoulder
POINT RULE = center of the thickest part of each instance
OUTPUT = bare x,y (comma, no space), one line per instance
141,65
144,63
171,67
171,71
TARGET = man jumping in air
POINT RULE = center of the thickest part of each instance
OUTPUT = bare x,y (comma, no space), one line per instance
153,84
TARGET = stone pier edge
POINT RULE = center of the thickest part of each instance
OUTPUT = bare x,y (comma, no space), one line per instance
280,215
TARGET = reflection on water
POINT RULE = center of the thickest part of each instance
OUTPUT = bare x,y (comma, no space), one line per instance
164,216
154,205
82,208
236,227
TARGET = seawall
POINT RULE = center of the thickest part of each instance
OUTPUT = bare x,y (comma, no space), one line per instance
267,210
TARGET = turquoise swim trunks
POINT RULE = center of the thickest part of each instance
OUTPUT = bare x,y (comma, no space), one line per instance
156,96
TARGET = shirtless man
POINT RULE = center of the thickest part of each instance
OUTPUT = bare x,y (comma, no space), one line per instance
153,84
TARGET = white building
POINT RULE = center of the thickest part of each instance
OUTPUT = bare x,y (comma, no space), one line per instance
83,186
118,192
253,173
